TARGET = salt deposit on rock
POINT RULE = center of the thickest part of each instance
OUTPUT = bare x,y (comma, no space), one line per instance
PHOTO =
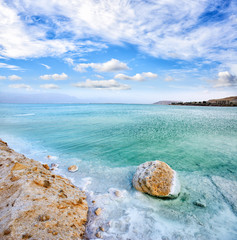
73,168
157,179
54,166
35,203
52,157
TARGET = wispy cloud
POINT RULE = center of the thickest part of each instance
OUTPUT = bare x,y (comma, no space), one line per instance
113,65
139,77
49,86
103,84
55,76
69,61
3,77
14,77
195,29
8,66
225,79
46,66
99,76
27,87
169,79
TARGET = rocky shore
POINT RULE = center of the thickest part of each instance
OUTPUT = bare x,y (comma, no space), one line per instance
37,204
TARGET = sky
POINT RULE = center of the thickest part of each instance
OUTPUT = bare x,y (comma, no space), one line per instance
117,51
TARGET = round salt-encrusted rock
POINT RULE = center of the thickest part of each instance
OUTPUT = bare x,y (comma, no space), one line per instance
157,179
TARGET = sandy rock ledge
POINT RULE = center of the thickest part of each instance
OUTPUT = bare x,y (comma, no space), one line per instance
35,203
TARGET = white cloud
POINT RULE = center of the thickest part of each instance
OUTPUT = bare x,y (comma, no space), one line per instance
3,77
187,33
49,86
8,66
99,76
139,77
103,84
14,77
225,79
46,66
69,61
28,87
55,76
169,79
111,66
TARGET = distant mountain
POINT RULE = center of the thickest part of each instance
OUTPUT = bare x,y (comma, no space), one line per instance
164,102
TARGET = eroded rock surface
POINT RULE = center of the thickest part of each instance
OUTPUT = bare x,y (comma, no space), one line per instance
35,203
157,179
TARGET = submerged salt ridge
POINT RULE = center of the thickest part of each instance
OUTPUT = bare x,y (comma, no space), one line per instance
108,142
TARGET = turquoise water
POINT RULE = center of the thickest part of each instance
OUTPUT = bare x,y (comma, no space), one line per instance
108,141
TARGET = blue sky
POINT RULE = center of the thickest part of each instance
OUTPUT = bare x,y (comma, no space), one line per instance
137,51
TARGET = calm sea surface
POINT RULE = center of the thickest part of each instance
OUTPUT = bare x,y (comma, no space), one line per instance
108,141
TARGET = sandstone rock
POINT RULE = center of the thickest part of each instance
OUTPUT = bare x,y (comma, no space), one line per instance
73,168
157,179
18,166
30,205
117,193
98,211
102,229
46,166
98,235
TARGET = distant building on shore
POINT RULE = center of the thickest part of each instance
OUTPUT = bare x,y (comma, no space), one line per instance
224,101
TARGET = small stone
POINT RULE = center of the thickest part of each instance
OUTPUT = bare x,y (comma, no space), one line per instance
14,178
34,169
98,211
43,218
19,166
7,231
46,166
93,201
200,203
73,168
26,236
98,235
46,184
55,233
102,229
117,193
62,195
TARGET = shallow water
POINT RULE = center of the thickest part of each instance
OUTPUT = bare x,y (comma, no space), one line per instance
107,142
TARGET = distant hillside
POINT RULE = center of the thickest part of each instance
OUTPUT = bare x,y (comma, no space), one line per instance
227,99
221,102
164,102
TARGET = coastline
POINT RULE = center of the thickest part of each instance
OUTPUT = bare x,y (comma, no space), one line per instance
36,203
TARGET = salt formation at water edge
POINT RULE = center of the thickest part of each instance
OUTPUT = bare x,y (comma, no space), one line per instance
73,168
35,203
157,179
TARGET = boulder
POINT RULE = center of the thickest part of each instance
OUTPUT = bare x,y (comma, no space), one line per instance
157,179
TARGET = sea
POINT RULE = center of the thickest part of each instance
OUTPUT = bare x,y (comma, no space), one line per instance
108,141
